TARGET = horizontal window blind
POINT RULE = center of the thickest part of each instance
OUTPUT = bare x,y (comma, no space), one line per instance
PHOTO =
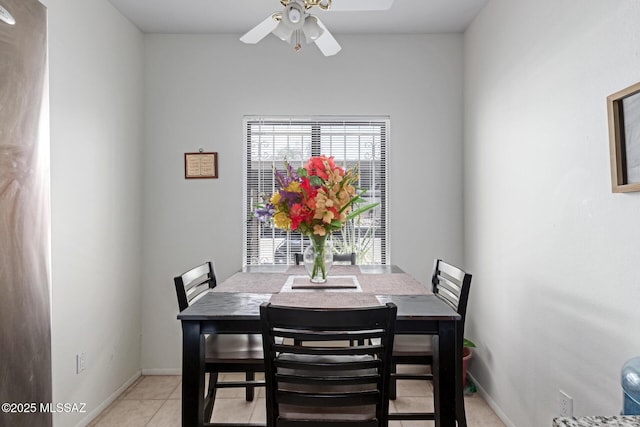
360,142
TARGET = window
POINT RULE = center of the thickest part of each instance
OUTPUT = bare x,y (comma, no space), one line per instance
360,141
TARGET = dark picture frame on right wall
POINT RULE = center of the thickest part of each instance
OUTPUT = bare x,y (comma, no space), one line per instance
624,139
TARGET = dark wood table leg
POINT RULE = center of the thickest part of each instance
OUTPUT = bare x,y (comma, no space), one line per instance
444,378
461,417
192,375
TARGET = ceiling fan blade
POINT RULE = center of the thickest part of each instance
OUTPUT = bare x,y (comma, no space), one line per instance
260,31
351,5
327,44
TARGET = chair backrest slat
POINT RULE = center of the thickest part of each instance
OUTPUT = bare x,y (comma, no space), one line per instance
452,285
350,258
192,283
451,271
327,371
319,351
333,401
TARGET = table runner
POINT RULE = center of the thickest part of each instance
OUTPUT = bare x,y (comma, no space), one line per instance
324,299
378,284
261,283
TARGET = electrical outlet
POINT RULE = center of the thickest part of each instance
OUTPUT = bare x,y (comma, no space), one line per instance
80,362
566,405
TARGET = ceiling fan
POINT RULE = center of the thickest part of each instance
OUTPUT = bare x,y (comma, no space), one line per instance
294,23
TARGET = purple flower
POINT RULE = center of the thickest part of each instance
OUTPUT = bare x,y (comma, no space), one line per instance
284,180
281,179
292,173
290,197
264,213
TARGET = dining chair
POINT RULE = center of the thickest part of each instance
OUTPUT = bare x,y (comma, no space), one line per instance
324,383
451,284
224,353
343,258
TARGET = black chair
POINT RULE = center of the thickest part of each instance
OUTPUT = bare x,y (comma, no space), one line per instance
451,284
324,383
224,352
344,258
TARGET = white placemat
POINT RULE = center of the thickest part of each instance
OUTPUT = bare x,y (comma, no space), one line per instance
333,284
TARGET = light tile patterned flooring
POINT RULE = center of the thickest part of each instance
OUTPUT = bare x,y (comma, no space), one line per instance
155,401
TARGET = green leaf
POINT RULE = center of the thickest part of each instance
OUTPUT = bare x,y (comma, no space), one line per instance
302,172
357,200
468,343
337,224
362,210
315,181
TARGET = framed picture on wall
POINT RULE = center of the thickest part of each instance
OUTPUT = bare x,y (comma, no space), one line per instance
624,139
200,165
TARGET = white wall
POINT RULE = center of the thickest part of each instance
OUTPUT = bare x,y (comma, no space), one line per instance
199,87
96,138
554,303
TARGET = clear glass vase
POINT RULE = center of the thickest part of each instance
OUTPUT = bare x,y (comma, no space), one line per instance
318,258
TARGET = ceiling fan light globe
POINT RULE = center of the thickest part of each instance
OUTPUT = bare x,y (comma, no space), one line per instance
283,32
311,29
294,15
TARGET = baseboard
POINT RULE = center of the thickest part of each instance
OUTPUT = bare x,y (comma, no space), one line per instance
171,371
492,404
112,398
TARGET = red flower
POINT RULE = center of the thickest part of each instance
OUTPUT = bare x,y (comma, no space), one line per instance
319,166
295,215
308,192
333,167
299,213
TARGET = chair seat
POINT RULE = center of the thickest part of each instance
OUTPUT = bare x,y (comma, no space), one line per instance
230,348
412,345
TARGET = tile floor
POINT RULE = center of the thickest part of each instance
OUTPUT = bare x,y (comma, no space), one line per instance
155,401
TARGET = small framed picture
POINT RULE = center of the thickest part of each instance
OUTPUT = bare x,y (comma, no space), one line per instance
624,139
200,165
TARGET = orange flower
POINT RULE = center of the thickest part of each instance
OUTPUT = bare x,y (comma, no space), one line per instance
319,230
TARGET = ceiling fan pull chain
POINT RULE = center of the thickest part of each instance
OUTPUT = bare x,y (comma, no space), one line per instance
297,46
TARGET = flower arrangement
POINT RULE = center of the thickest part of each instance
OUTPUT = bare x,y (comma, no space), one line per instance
315,200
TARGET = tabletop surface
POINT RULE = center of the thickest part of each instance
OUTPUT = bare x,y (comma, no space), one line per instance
240,296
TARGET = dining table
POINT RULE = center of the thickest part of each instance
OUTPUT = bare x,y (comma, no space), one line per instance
233,306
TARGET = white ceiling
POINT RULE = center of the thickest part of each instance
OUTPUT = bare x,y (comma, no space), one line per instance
239,16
